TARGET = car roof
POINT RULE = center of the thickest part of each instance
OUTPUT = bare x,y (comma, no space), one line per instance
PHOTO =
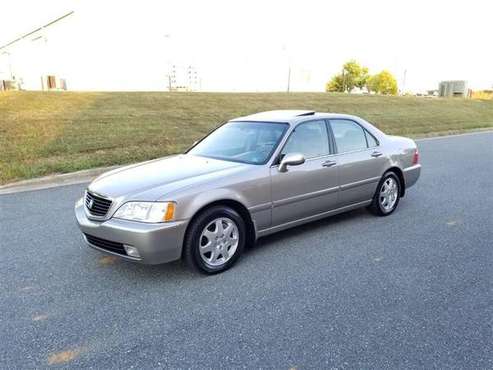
288,116
275,116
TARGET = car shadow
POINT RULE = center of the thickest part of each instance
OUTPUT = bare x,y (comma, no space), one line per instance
307,228
178,273
179,270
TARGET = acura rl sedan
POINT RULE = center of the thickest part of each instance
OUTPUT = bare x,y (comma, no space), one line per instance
250,177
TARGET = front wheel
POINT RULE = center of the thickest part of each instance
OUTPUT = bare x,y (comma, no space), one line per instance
387,195
215,240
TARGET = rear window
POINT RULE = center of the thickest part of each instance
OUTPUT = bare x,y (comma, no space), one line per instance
349,136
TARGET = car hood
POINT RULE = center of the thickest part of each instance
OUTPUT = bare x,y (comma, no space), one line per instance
154,179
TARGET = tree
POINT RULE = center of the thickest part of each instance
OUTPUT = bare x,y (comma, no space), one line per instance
383,83
335,84
352,75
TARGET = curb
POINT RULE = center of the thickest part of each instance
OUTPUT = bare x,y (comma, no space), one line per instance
53,181
487,130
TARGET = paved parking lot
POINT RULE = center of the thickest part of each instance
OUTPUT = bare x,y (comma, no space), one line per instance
413,290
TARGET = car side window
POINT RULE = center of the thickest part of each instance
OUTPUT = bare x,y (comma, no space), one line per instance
372,142
348,135
309,139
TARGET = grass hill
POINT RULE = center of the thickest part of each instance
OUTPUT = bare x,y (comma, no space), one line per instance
55,132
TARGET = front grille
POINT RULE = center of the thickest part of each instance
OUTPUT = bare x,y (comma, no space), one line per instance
106,244
96,205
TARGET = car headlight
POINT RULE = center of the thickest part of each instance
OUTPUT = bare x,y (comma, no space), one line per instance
146,211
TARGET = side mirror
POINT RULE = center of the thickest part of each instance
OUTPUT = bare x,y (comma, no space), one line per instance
294,159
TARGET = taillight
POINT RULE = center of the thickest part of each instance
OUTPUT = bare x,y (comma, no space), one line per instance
416,156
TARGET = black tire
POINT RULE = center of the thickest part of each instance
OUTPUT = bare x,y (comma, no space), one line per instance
191,252
376,206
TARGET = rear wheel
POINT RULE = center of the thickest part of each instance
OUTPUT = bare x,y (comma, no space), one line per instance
215,240
387,195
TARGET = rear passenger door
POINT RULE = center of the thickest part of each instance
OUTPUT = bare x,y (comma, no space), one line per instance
360,161
310,188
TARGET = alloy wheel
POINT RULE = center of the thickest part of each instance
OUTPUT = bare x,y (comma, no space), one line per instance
389,192
218,241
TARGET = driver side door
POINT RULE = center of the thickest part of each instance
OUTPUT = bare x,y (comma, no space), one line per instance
312,187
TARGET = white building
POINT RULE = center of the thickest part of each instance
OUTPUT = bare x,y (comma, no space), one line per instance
67,53
37,60
102,48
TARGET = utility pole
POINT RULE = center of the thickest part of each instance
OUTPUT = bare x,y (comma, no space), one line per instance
9,62
167,37
289,77
284,50
404,82
343,81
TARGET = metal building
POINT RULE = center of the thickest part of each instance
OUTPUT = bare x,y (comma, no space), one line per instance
30,62
456,88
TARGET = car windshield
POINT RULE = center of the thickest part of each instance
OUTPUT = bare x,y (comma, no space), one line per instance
247,142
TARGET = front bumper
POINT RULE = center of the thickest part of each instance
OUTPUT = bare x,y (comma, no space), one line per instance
411,175
156,243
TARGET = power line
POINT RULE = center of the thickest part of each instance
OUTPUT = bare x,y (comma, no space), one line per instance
36,30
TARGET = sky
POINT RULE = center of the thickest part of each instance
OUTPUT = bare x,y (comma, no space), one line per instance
249,45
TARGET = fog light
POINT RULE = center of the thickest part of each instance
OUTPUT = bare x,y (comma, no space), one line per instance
132,251
79,203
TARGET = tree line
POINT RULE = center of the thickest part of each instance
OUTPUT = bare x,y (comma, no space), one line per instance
354,75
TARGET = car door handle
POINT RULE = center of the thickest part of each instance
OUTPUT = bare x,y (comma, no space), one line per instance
329,163
376,154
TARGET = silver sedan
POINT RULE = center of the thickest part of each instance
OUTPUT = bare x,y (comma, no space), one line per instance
250,177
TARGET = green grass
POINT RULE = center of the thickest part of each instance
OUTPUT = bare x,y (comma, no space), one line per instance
43,133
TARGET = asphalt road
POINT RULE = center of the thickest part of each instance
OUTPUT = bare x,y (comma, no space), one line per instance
413,290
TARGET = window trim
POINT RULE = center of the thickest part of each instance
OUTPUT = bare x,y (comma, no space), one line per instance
332,140
277,161
374,138
365,133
